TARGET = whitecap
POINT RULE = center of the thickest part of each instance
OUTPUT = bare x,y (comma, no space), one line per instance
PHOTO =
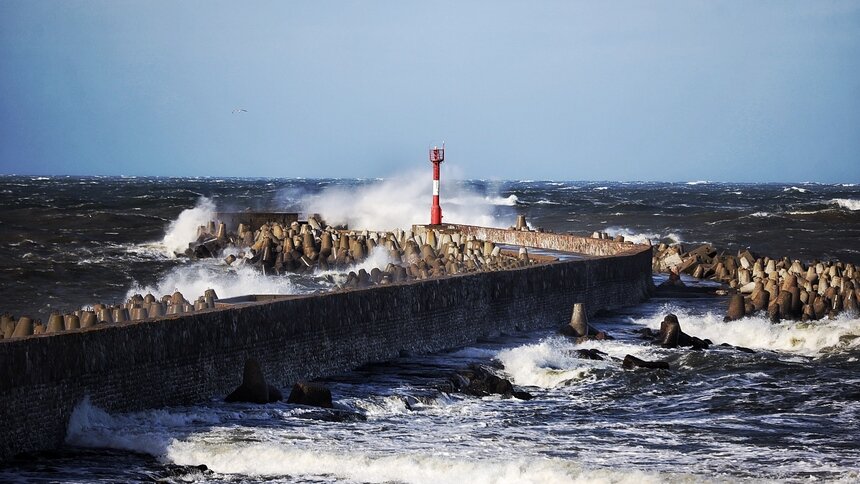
183,230
803,338
847,203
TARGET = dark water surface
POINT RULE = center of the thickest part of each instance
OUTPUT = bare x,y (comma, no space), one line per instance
788,412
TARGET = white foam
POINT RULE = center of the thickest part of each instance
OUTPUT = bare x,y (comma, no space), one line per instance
268,459
810,338
183,230
761,214
193,279
698,182
554,361
795,189
847,203
643,237
402,201
90,426
377,258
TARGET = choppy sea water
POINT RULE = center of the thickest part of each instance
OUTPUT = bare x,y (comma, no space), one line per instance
787,412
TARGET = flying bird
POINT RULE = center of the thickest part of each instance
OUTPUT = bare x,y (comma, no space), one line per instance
240,111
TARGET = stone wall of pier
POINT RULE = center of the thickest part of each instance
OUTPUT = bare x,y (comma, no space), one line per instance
190,358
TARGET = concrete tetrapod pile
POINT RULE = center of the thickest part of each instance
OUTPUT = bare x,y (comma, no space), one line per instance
307,247
784,288
136,308
298,248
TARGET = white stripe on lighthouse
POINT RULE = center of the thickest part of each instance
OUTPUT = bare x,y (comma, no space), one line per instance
435,187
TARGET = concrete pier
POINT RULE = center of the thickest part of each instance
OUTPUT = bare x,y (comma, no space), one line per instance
186,358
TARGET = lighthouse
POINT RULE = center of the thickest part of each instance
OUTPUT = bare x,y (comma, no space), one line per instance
437,156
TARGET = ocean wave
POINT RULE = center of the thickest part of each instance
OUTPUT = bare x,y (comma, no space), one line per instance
278,459
803,338
207,436
698,182
795,189
847,203
761,214
804,212
554,361
600,188
183,230
194,279
644,237
544,201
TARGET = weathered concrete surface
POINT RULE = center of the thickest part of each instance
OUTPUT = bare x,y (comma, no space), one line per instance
562,242
190,358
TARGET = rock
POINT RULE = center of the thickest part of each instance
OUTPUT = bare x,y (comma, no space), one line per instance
631,362
254,388
591,354
671,336
311,394
670,331
480,381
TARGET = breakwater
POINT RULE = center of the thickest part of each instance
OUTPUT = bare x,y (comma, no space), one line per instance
187,358
785,289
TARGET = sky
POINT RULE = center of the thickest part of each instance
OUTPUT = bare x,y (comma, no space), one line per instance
664,91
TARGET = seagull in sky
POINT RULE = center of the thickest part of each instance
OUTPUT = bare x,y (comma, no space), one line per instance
240,111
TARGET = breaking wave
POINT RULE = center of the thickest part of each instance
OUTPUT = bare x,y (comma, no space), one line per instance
804,338
847,203
183,230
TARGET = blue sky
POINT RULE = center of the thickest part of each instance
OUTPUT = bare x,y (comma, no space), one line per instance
686,90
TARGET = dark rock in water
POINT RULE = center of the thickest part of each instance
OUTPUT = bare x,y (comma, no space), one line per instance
591,354
646,333
479,381
631,362
522,395
670,332
671,336
739,348
254,388
310,394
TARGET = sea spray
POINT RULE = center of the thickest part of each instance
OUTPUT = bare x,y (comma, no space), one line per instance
847,203
183,230
402,201
554,361
193,279
810,338
268,459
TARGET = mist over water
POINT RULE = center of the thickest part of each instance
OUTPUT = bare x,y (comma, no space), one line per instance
787,412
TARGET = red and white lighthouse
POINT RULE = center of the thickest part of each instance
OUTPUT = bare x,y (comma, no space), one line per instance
437,156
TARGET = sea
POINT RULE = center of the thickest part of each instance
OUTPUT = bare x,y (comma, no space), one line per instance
789,411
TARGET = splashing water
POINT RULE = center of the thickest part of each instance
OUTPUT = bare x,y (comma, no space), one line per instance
183,230
402,201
